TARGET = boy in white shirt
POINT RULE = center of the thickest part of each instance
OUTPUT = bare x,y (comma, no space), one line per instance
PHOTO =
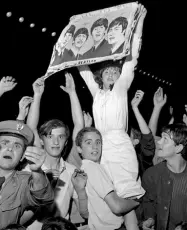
106,208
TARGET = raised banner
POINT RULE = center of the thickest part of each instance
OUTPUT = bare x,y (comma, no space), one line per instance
94,37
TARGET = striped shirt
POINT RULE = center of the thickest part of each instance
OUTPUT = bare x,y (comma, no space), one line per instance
178,206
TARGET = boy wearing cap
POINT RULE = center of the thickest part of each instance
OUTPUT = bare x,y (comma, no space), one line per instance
20,190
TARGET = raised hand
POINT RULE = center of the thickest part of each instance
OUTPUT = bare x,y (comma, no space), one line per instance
79,180
36,156
24,107
87,119
70,85
137,98
140,22
38,86
7,84
159,98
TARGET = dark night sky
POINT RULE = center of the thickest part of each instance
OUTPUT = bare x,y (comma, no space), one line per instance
27,52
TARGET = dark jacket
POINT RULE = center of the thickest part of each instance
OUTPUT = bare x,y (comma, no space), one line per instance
158,184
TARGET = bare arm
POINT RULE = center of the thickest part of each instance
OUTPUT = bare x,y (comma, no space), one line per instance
24,108
118,205
159,101
127,74
141,122
34,112
79,179
76,110
88,77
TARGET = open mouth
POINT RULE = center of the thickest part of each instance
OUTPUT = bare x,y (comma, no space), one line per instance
111,38
7,157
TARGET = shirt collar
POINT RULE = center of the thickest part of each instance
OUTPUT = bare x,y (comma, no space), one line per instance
62,166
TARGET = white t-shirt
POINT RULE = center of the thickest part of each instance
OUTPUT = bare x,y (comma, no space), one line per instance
97,187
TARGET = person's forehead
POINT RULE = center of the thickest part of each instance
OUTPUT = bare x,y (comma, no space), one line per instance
81,35
91,135
167,134
98,26
11,138
112,68
118,26
58,131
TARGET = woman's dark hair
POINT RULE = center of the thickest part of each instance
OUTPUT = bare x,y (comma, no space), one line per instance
103,66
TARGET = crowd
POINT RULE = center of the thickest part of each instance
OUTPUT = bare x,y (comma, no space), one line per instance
118,174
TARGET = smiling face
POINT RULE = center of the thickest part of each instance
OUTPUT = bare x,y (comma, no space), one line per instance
55,141
110,76
80,40
115,34
11,152
91,147
167,147
98,33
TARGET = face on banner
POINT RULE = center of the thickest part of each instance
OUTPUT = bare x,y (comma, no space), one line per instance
98,33
115,34
80,40
95,37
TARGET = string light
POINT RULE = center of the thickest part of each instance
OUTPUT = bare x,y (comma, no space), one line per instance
44,29
53,34
21,19
155,77
32,25
9,14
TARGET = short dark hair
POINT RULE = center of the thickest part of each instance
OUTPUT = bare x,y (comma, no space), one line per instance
99,22
81,31
81,133
71,30
178,133
47,127
119,21
58,223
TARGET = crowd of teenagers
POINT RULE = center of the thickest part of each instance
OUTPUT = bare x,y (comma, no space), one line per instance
117,175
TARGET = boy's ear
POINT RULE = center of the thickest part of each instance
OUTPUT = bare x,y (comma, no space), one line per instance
179,148
22,157
79,149
66,143
41,142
